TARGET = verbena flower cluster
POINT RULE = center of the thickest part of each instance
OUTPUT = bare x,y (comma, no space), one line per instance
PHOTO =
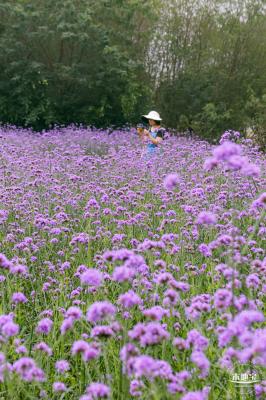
122,277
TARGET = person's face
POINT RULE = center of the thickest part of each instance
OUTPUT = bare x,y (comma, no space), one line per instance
152,122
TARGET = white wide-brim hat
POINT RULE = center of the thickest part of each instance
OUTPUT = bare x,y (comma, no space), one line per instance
153,115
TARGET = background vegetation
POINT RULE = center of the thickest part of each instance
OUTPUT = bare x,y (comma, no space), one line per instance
104,62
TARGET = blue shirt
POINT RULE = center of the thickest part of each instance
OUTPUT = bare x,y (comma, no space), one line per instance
158,132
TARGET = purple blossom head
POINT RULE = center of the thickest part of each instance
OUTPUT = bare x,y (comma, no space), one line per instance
74,312
88,351
236,162
19,298
205,250
156,313
226,150
171,181
80,346
10,329
210,163
250,170
67,324
59,387
222,299
18,269
4,262
129,299
199,395
128,350
260,202
136,387
42,346
28,370
206,218
100,310
253,281
98,390
62,366
91,277
44,326
147,367
197,340
102,331
123,274
21,350
149,334
143,366
247,317
199,358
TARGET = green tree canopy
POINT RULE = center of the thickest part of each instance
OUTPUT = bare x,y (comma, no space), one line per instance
104,62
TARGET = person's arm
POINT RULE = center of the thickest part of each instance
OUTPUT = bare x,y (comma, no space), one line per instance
140,132
156,140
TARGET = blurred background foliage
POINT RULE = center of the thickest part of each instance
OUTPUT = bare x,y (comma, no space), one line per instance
104,62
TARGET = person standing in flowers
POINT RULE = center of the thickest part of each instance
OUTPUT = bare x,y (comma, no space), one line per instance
154,135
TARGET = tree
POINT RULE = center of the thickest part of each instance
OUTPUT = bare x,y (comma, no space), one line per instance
71,61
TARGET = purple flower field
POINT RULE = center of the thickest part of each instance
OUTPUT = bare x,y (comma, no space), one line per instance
123,277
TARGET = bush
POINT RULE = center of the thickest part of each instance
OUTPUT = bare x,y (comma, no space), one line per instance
212,121
256,118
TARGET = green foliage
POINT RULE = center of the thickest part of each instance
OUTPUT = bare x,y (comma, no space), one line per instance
183,123
70,61
256,118
211,121
207,61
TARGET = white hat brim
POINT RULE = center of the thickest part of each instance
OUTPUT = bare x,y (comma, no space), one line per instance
149,117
